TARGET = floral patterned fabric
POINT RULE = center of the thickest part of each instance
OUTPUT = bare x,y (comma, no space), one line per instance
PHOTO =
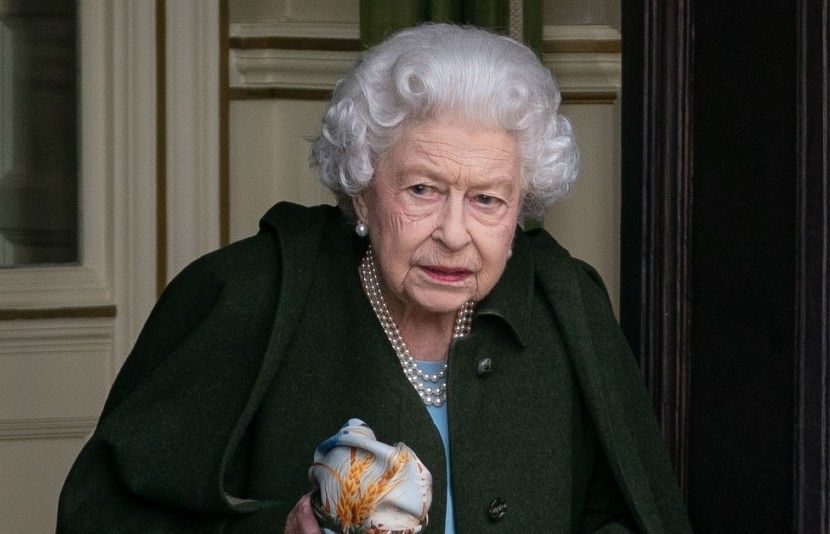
368,486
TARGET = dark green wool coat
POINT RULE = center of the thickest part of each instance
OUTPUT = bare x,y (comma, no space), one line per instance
258,352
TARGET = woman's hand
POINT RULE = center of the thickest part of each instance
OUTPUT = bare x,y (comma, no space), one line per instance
301,520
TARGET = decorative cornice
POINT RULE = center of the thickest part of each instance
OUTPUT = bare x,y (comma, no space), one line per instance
288,69
585,73
54,286
268,60
255,70
295,43
84,334
278,93
327,32
583,38
346,36
47,428
297,30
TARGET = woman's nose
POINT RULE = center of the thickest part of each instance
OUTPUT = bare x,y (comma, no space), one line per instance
452,230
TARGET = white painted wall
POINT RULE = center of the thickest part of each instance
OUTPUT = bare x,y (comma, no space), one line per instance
587,221
272,166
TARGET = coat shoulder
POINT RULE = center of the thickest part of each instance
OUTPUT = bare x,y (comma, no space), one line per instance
554,261
258,258
239,284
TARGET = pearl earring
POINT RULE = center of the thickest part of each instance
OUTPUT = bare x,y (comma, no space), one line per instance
509,253
361,229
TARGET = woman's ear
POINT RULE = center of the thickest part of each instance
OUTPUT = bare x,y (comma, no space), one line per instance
360,204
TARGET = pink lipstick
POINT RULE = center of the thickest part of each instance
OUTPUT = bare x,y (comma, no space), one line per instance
446,274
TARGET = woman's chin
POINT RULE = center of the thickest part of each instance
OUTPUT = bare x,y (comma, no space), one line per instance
440,302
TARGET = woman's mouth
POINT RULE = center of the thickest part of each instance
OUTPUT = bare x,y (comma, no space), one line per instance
446,274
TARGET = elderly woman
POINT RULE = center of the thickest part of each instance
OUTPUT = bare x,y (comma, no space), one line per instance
420,307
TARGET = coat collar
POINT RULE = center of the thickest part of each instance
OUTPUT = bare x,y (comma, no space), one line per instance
510,300
512,297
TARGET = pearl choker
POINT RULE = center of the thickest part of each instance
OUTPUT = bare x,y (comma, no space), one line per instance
431,387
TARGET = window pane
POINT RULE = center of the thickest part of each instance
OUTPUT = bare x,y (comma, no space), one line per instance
38,133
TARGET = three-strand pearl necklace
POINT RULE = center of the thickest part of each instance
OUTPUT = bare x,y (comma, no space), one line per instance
431,387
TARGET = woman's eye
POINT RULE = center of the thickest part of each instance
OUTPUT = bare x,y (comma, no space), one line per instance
486,200
419,189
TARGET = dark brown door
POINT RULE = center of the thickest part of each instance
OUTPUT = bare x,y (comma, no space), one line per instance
725,250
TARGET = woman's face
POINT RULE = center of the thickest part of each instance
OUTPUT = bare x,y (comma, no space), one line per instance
441,210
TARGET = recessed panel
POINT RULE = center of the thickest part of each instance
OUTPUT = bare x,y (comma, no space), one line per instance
52,372
270,144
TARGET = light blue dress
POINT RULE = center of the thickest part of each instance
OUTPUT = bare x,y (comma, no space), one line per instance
439,417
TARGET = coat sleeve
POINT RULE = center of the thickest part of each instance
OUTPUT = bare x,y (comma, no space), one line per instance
605,510
634,449
169,452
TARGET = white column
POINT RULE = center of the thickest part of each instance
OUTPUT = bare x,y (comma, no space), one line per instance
134,168
192,131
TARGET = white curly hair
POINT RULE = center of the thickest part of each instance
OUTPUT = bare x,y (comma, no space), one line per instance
437,69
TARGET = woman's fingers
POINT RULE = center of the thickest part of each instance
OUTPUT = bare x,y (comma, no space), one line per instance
301,520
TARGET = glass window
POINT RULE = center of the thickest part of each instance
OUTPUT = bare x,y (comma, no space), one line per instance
38,133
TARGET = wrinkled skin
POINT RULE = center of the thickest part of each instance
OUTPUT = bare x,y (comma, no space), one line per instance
442,211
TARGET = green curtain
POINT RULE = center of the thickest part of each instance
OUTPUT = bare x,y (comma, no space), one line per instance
380,18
